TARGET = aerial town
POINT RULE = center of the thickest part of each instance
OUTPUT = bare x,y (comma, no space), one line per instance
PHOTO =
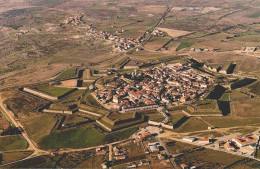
171,84
157,84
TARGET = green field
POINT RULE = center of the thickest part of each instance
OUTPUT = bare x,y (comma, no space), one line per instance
255,15
80,138
156,117
192,124
224,97
176,117
12,143
66,74
185,44
74,138
54,91
120,135
93,109
205,104
38,126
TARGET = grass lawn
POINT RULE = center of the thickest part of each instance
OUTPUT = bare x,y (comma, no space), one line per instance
71,119
205,104
224,97
192,124
185,44
93,109
120,135
54,91
12,143
73,97
115,116
156,117
13,156
176,117
73,138
66,74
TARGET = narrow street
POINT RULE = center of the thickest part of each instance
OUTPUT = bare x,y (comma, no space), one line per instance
174,165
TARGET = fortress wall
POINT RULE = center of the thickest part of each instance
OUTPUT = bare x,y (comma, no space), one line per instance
160,124
40,94
57,111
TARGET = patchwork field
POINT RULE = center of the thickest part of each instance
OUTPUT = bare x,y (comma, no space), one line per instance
173,32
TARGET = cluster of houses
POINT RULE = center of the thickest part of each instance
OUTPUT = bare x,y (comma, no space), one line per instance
250,49
170,84
121,43
74,20
136,165
119,153
202,50
155,148
101,150
142,136
157,32
243,142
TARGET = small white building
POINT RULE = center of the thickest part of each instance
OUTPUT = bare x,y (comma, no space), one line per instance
154,147
189,139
